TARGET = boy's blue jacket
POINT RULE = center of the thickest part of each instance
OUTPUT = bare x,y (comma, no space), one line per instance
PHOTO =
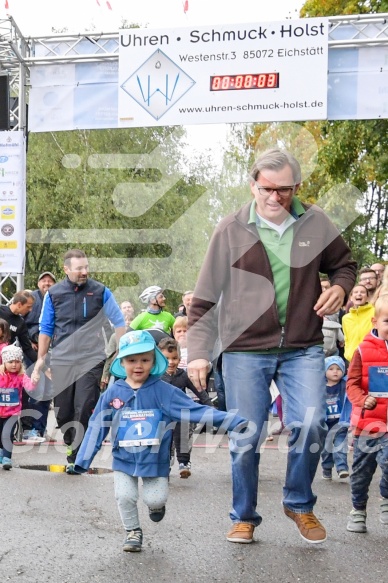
338,392
150,461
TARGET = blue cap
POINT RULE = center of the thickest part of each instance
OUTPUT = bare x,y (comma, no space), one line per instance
137,342
330,360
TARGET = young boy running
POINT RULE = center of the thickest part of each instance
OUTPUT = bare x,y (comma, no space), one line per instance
140,410
178,377
367,389
335,450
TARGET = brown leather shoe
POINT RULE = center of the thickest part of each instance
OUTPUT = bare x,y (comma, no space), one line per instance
310,529
241,532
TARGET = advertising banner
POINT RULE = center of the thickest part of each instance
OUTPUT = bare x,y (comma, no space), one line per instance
12,202
273,71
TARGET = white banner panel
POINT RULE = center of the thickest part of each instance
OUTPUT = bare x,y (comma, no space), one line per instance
12,202
274,71
373,62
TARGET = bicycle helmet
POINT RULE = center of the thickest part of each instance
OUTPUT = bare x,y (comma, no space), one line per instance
150,293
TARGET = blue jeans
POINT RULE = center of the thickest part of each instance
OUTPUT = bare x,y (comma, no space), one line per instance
368,452
36,406
335,450
300,378
7,432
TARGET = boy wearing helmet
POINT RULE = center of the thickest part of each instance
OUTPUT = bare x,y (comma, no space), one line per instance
155,316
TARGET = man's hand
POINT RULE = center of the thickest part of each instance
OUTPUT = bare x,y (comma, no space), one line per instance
330,301
39,365
104,383
35,376
197,371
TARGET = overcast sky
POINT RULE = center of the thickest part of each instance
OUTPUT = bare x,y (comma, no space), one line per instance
40,16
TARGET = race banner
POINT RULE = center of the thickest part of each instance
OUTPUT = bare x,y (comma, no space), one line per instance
256,72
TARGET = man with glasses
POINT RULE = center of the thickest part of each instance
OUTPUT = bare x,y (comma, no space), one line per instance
261,276
368,277
378,268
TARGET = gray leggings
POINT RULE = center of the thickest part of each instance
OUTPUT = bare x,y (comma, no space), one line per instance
155,494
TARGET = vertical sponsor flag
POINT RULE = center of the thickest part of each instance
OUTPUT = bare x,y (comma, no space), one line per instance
185,6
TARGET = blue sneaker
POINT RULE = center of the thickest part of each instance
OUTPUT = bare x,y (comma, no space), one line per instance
133,541
32,436
70,470
157,514
6,463
1,456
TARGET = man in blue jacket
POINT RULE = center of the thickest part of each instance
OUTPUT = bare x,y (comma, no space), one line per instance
73,314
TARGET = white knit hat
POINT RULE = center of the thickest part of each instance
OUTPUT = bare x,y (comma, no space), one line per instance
12,352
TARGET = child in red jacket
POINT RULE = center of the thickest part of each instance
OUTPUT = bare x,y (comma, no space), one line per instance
367,390
12,381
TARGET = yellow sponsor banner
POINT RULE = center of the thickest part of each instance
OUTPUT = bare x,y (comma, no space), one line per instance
8,244
7,212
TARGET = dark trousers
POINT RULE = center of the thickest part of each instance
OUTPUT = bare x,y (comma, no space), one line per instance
182,437
34,413
219,383
35,408
367,454
76,391
7,432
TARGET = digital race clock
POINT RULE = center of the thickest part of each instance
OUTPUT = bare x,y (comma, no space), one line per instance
246,81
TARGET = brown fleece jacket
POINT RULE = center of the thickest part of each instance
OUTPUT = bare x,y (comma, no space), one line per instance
236,273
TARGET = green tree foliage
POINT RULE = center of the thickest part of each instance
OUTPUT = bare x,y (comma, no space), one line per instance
355,152
137,201
68,191
313,8
348,173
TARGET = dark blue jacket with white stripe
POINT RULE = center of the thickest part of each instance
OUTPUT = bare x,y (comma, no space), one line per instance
73,316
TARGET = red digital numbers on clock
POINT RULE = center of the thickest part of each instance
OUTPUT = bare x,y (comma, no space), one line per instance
246,81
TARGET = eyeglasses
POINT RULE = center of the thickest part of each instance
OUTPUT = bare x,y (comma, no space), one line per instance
282,191
368,278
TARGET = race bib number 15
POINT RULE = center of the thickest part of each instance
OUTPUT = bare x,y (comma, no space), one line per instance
9,397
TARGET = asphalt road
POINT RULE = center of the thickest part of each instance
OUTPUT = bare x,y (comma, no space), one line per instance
66,529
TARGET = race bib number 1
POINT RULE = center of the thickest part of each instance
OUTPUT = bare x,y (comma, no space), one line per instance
139,428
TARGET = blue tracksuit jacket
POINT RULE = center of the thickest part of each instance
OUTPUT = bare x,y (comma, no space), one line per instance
144,461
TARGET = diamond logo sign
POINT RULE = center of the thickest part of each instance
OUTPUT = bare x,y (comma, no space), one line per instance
158,84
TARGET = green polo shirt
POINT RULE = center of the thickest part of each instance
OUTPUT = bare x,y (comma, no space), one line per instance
278,248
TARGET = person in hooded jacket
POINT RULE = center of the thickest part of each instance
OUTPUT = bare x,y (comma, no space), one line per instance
141,408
